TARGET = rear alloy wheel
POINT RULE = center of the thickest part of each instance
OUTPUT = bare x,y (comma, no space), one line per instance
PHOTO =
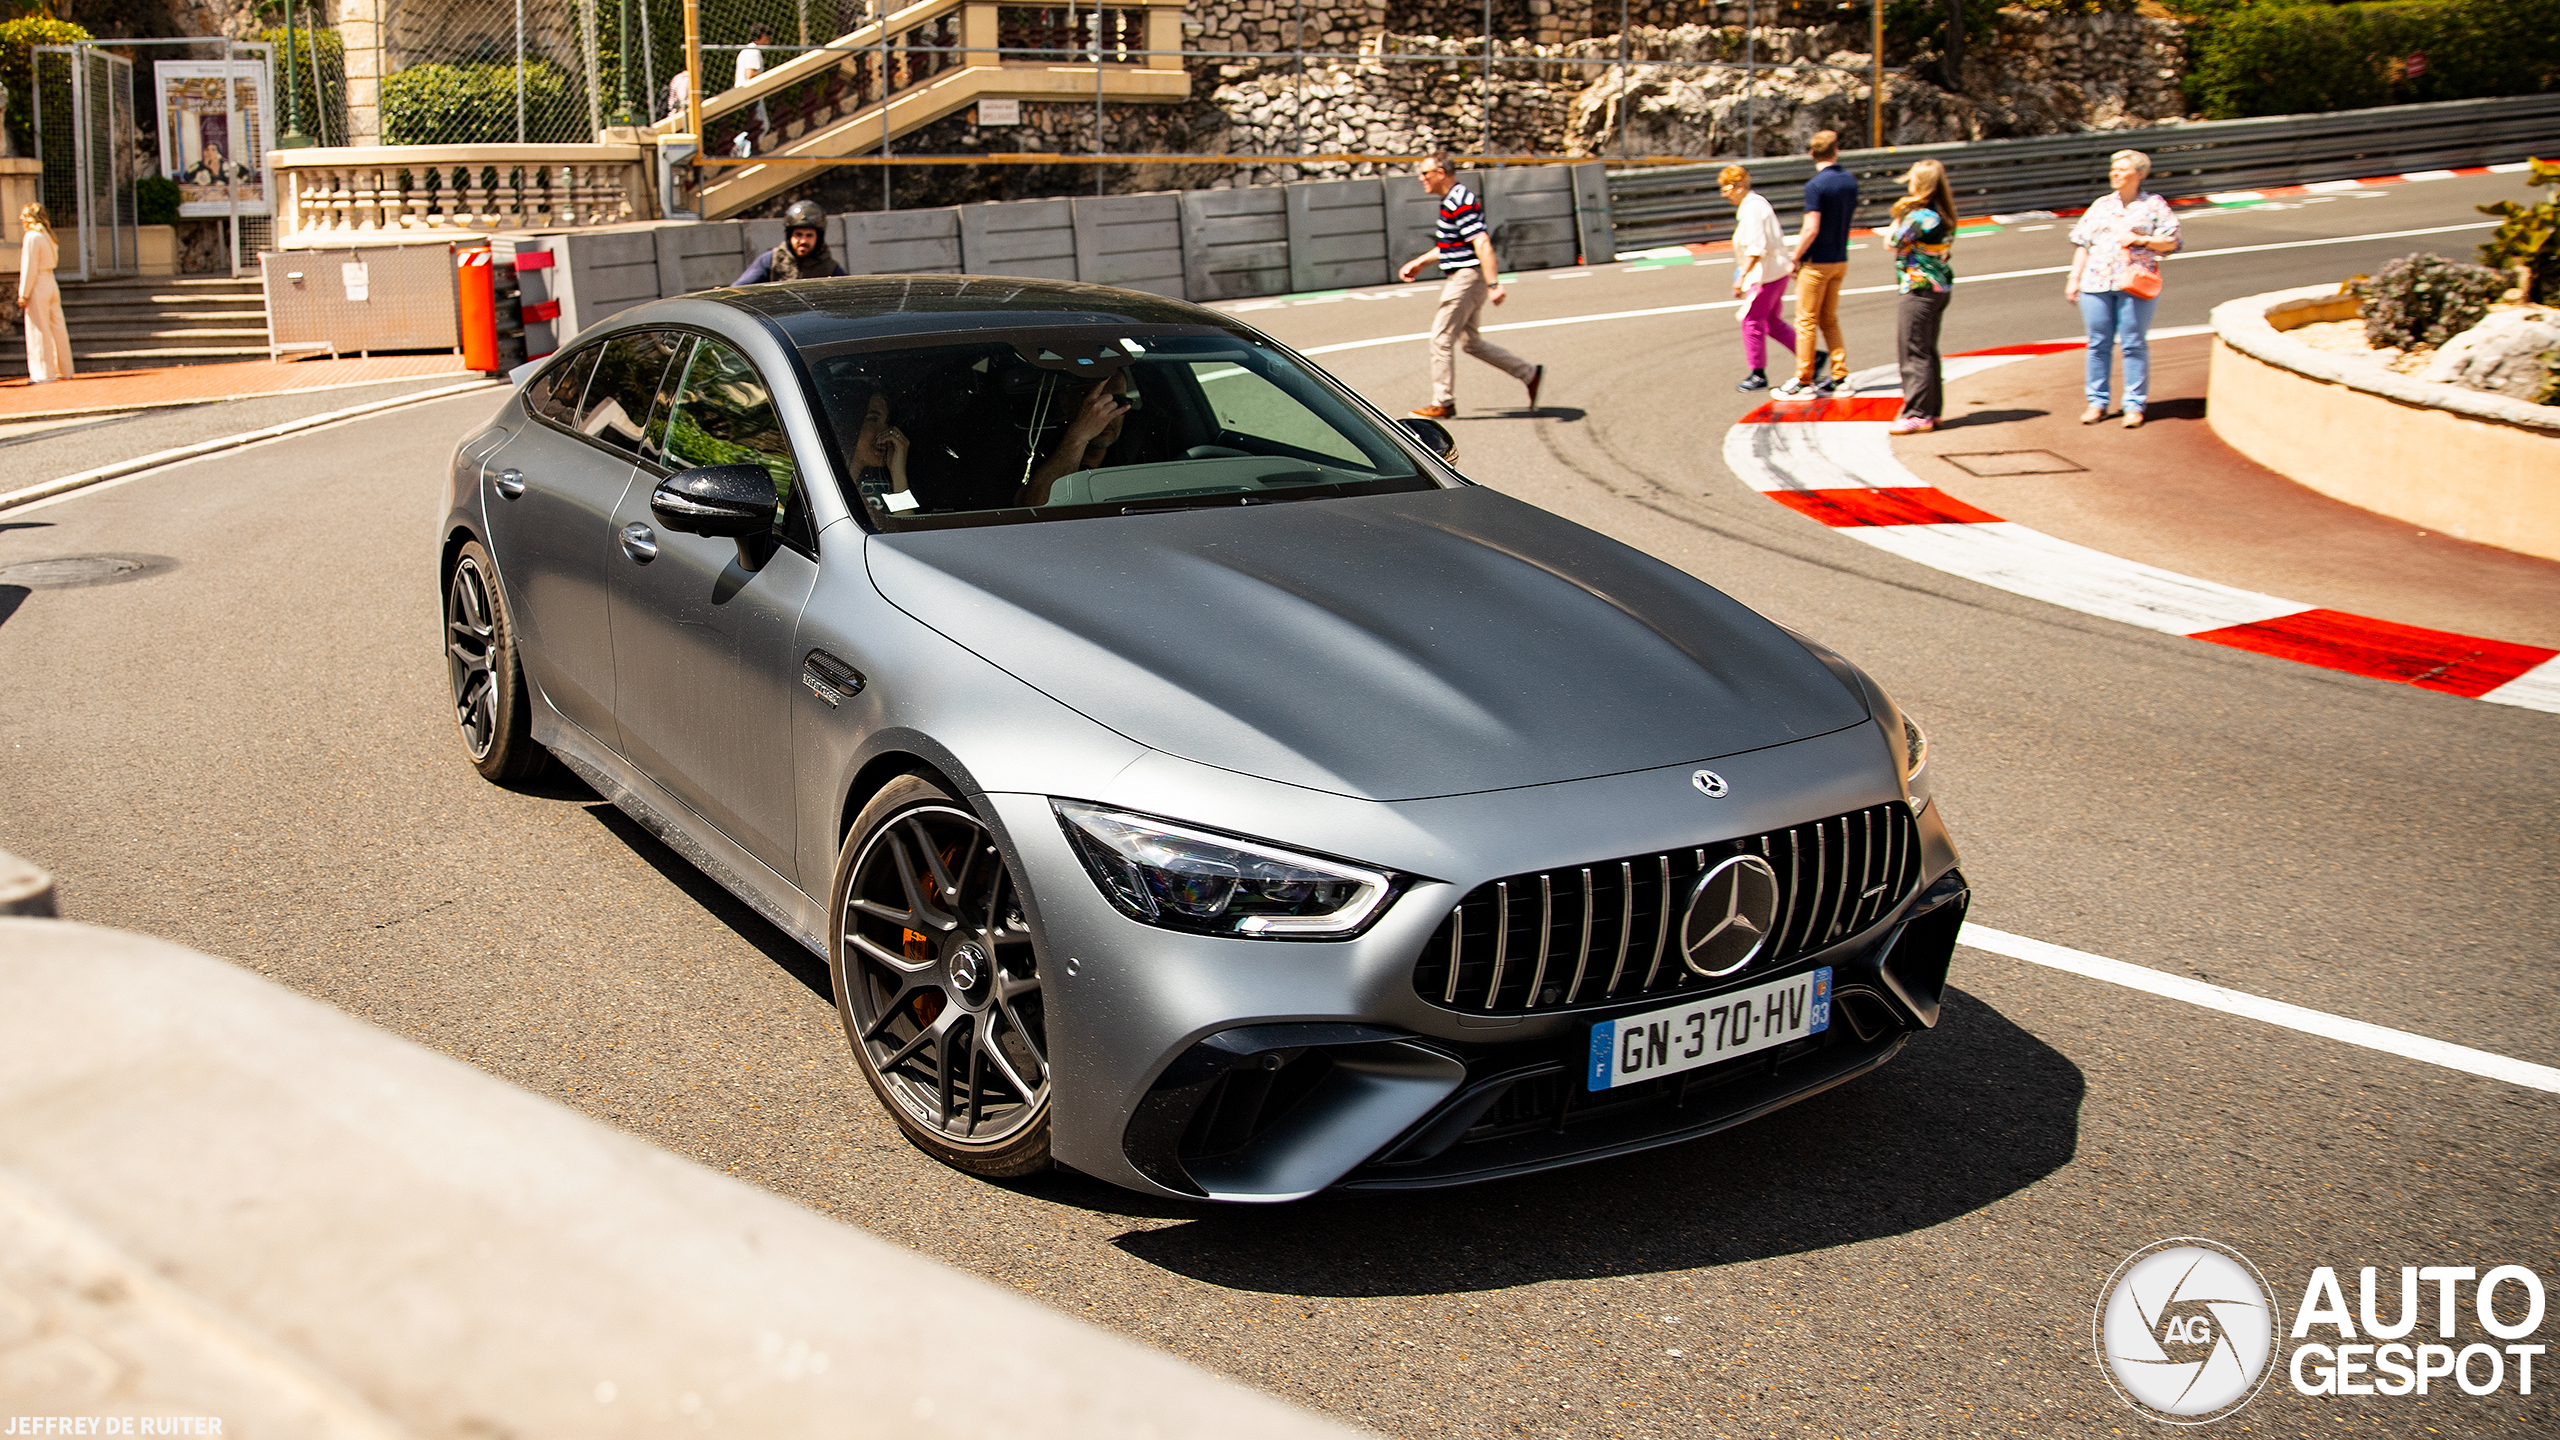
488,680
936,981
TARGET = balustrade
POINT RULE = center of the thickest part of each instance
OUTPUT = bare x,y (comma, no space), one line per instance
437,190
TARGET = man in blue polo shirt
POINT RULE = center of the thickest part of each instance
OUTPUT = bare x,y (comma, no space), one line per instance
1464,248
1822,259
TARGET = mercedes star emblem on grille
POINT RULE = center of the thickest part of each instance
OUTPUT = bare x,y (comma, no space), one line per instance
1710,784
1730,913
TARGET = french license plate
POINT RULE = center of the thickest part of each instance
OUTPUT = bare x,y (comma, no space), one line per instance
1702,1032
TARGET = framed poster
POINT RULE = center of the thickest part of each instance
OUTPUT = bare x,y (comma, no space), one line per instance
213,134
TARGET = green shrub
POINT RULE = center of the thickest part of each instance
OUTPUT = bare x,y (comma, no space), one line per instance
155,200
476,104
2284,57
2529,236
322,106
17,67
2425,299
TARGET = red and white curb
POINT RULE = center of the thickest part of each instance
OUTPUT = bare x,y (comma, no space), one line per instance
1833,461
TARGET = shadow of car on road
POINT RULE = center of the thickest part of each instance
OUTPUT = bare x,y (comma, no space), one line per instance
790,955
1968,1114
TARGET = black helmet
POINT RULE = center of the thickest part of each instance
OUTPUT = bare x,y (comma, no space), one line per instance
805,215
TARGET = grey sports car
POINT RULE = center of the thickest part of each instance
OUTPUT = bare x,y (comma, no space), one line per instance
1188,776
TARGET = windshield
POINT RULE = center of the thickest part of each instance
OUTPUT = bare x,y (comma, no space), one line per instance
1065,423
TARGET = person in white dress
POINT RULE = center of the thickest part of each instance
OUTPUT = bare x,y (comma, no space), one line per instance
48,339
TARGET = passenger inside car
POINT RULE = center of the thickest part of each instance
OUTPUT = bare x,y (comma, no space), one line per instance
1010,431
1090,434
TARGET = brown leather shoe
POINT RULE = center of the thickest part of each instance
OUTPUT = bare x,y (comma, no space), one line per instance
2132,418
1435,412
2093,414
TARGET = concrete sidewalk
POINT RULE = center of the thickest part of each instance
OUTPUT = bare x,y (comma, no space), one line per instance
109,392
2173,495
228,1206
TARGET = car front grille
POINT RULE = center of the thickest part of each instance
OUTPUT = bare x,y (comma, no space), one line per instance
1608,932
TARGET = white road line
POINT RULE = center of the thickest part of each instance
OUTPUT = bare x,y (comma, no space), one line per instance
2257,1007
1880,289
52,492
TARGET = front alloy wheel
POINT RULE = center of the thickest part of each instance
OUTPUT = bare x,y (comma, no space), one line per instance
936,981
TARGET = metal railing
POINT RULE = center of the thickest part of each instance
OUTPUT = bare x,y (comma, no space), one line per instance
1677,205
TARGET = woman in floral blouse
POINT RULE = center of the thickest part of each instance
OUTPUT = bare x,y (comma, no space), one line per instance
2115,277
1923,236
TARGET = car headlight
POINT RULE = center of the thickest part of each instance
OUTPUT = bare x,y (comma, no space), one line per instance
1185,879
1915,749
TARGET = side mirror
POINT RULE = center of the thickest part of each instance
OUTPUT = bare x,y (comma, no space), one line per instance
1434,436
726,500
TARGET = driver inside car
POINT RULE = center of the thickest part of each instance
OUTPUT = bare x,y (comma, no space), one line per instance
1090,436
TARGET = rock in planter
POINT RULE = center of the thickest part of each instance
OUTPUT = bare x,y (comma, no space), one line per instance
2502,355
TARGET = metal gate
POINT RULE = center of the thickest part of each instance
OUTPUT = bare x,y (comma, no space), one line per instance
85,137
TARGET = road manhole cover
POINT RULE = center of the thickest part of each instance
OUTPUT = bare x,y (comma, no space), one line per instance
2013,462
72,572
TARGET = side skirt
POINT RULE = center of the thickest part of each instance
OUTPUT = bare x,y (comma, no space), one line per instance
699,841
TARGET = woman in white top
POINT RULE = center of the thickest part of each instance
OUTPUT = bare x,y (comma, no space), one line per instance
2115,280
1760,270
48,339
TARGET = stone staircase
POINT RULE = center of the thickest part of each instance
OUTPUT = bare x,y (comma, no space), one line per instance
144,324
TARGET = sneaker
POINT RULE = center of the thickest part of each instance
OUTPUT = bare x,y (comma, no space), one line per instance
1435,412
1911,425
2093,414
1792,389
1537,377
1756,380
1827,386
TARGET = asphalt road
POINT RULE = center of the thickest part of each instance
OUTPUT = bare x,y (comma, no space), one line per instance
249,752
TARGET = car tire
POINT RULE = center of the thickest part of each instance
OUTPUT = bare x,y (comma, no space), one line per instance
937,983
489,702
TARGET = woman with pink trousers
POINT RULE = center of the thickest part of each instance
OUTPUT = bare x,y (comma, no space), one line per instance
1760,270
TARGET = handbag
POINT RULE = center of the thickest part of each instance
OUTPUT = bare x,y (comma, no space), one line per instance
2138,283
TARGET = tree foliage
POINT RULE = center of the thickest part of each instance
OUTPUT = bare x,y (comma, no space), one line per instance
17,66
2286,57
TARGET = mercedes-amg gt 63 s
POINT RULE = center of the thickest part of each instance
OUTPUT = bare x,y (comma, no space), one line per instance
1188,775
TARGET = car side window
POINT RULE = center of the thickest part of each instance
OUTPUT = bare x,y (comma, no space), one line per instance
619,399
554,395
724,415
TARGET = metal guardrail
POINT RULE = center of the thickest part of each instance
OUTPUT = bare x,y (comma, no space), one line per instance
1679,204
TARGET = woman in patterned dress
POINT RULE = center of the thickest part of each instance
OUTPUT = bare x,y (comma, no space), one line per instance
1923,237
2115,278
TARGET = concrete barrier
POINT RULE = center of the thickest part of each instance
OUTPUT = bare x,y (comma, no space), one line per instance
2460,462
1201,245
222,1200
1035,238
24,889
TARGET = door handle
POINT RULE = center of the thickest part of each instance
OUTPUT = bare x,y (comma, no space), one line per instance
639,542
511,483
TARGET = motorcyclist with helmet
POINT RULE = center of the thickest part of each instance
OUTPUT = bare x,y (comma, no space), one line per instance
802,255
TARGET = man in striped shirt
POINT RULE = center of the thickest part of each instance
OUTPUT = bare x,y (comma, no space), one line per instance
1464,249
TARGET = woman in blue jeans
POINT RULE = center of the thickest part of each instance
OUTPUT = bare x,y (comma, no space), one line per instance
2121,239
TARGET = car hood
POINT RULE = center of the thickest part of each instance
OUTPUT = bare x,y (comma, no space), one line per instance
1386,647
